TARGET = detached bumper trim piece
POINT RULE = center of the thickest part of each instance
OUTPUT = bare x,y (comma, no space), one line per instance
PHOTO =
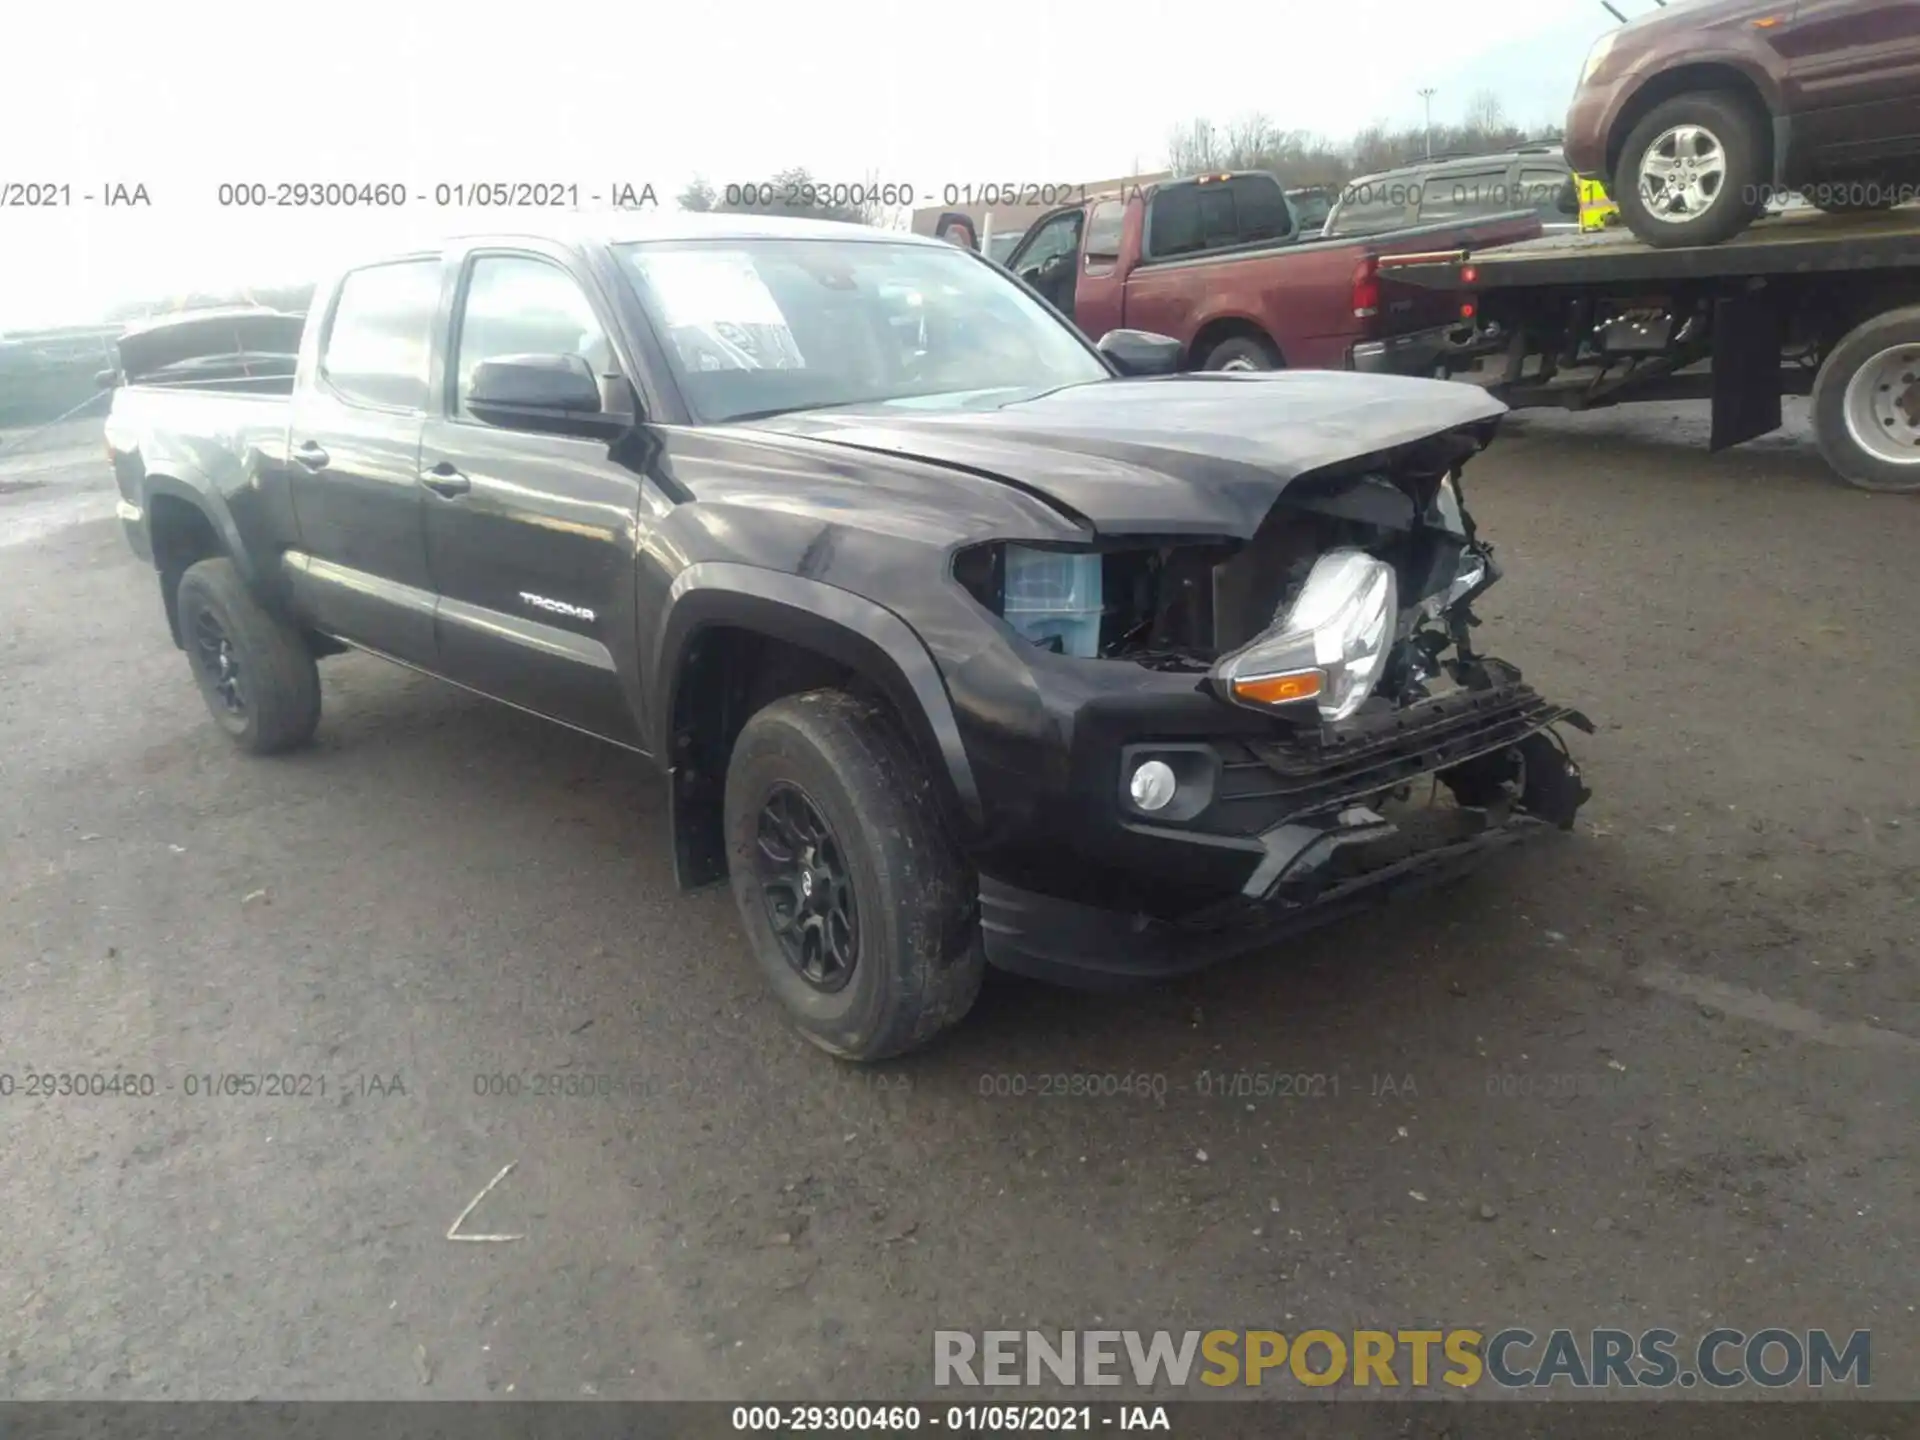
1069,943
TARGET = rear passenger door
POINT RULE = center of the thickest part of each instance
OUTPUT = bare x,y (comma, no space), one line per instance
1855,71
531,535
361,572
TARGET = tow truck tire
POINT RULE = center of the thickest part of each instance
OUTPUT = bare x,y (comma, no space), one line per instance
1241,352
1866,404
834,769
266,695
1740,134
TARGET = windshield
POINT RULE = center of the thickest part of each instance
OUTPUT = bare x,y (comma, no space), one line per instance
759,326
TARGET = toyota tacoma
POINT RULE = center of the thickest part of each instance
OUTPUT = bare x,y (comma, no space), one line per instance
959,640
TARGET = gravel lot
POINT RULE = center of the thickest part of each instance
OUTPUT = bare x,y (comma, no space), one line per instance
1660,1072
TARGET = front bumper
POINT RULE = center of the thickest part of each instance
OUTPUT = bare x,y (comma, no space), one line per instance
1315,829
1084,946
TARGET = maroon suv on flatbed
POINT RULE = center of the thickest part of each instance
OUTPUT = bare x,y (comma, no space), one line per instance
1697,114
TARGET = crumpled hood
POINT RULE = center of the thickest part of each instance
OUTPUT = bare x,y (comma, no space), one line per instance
1177,454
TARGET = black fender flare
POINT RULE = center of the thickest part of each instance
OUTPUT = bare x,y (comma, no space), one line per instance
208,503
866,637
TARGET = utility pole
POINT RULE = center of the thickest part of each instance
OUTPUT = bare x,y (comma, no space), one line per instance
1426,98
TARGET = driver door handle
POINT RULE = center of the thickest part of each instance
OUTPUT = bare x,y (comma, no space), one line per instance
446,481
311,455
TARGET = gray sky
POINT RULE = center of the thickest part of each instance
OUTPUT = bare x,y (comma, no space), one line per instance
181,98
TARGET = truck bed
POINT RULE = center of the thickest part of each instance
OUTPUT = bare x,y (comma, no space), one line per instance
1801,244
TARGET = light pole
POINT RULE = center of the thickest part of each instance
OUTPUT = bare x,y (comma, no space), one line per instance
1426,99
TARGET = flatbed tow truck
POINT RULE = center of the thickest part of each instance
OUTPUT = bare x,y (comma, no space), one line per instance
1826,306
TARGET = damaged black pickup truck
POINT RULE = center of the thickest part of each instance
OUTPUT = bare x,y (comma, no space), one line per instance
960,640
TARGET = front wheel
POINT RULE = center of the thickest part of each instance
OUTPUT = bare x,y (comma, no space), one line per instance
1866,404
859,908
255,671
1692,171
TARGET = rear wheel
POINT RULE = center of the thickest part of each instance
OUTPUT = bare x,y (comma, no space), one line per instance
254,670
1866,404
1241,352
1692,171
859,908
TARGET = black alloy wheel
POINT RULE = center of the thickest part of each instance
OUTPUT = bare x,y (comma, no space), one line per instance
807,889
219,665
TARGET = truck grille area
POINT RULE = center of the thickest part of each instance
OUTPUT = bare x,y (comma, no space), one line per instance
1264,783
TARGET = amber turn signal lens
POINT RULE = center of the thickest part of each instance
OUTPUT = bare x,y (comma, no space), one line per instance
1278,689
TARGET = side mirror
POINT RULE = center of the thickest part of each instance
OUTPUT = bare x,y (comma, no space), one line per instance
105,379
1140,352
555,393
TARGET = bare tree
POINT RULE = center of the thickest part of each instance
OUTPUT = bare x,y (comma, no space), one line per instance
1300,157
1486,115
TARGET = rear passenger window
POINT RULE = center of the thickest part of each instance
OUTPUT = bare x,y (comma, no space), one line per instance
1370,205
1260,209
1174,225
380,337
1465,195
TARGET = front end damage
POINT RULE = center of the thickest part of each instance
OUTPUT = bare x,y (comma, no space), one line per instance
1269,733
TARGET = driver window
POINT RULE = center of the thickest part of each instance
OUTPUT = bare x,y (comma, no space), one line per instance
521,305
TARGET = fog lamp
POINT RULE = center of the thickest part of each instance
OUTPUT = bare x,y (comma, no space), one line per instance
1152,785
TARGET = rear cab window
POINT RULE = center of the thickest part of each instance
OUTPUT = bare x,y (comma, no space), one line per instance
1193,217
379,339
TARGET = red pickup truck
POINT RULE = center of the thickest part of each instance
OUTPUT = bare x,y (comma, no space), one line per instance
1218,263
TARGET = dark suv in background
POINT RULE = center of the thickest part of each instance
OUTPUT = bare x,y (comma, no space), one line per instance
1461,187
1696,114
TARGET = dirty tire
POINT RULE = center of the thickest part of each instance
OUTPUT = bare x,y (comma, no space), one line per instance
1731,120
281,682
1241,352
919,959
1854,462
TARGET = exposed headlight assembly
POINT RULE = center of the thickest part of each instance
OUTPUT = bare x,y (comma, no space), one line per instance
1330,646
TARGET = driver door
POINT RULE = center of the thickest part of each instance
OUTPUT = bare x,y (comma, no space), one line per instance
1048,259
530,536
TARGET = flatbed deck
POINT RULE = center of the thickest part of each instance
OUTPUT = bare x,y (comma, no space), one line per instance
1805,243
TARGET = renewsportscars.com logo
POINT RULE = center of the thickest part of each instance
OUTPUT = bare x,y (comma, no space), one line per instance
1511,1359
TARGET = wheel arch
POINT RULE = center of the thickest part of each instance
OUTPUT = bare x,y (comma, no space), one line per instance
736,637
1726,73
1219,328
184,526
